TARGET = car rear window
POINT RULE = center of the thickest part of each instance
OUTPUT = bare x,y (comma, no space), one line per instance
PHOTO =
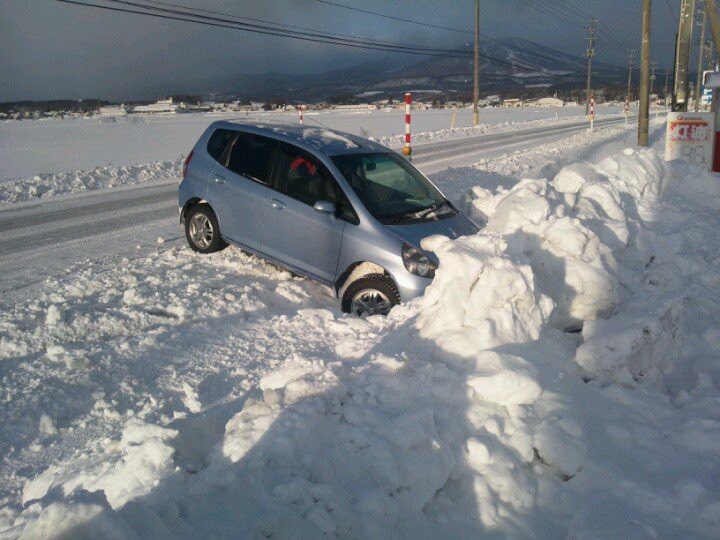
218,142
251,156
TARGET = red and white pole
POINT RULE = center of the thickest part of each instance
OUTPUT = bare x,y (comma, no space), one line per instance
300,113
592,113
407,150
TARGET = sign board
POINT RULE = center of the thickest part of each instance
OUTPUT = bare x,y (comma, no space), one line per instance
690,137
707,94
712,79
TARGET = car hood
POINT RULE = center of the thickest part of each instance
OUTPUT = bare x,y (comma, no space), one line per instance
453,227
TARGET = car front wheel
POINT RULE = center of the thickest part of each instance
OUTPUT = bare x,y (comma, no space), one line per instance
202,230
374,294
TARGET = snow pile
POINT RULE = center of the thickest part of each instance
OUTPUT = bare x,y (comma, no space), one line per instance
142,457
481,288
49,185
431,422
573,266
84,516
641,342
396,141
468,412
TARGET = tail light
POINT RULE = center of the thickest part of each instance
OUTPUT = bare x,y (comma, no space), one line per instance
187,162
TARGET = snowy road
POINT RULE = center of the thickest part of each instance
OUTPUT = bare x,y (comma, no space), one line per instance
42,238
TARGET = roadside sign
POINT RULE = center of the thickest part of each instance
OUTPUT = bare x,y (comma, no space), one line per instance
712,79
690,137
707,94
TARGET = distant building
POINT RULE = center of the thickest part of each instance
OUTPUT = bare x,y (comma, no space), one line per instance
357,107
113,110
163,106
549,102
511,103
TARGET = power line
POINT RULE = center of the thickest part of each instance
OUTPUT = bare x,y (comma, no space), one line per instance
283,25
316,37
239,26
556,9
386,16
411,21
275,28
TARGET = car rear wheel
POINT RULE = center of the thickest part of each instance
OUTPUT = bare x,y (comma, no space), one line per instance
202,230
374,294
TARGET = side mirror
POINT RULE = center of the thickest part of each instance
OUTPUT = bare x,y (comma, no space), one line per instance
325,207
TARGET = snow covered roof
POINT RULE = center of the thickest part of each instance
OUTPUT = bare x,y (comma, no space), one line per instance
327,141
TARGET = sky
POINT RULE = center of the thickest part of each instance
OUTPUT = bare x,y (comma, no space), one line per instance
51,50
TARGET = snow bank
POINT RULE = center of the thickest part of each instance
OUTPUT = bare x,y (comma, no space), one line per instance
143,455
434,418
49,185
469,411
640,343
84,516
396,141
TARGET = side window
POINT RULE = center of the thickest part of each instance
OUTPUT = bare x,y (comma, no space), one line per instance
218,142
300,177
251,155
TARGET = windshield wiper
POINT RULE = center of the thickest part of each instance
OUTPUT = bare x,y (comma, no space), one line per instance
432,211
419,214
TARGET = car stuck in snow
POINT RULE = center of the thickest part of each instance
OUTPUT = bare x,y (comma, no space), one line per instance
337,208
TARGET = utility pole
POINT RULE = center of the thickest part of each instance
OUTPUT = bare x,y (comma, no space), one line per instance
644,121
682,56
631,55
701,61
667,75
712,14
590,53
476,68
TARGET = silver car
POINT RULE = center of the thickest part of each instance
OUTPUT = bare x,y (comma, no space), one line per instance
337,208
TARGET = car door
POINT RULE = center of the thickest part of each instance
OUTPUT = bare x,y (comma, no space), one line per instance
294,232
238,187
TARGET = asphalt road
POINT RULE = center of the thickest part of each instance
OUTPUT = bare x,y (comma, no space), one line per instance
46,237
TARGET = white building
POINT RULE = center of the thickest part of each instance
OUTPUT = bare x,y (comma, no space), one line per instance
113,110
549,102
358,107
514,102
163,106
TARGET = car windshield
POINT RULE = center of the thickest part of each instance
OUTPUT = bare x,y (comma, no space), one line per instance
391,189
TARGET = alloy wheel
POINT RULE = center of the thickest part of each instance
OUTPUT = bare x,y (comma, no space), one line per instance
201,230
370,302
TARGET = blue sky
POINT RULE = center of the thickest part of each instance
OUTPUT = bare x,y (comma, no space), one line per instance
52,50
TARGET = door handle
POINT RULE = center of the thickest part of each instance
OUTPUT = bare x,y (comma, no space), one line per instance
277,205
220,180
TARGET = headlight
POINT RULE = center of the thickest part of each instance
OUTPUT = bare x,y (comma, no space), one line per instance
417,262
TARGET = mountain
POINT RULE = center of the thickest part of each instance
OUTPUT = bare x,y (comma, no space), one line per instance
517,64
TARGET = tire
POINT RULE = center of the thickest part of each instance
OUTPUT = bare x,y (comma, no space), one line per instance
201,215
382,285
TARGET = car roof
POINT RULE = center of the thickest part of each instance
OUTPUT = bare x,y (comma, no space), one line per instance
328,141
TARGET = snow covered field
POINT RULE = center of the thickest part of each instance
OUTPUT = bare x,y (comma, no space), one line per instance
29,148
560,378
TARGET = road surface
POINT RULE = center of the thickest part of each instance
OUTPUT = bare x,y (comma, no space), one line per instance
43,238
